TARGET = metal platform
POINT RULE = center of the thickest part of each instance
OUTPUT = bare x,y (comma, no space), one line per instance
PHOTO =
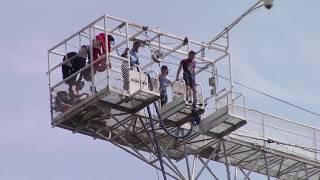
178,112
221,123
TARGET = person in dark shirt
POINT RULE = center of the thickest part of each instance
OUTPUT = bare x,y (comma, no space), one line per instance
188,65
74,62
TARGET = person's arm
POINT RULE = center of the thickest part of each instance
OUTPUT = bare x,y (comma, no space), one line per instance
138,63
178,72
168,80
80,95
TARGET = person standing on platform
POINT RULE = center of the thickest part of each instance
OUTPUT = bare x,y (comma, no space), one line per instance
133,60
188,65
164,83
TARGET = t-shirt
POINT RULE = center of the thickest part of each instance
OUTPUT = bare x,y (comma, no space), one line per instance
71,58
97,49
74,61
133,58
188,66
102,37
164,82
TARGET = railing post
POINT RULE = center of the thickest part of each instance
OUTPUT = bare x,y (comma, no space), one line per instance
91,62
263,130
49,84
315,144
106,39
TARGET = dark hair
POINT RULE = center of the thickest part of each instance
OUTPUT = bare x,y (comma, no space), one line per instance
164,67
110,38
137,42
192,52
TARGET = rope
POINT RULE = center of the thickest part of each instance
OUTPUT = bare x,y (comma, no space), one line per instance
272,141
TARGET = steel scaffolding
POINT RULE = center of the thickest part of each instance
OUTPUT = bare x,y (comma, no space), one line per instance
242,139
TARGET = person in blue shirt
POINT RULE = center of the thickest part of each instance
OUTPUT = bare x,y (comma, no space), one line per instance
164,83
134,60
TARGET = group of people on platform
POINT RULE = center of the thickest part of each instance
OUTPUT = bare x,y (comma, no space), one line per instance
76,61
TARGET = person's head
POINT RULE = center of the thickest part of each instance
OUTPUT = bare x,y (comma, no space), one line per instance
164,70
110,39
191,55
136,46
84,51
102,37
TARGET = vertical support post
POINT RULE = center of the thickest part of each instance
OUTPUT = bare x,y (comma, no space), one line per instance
235,173
227,161
128,57
267,167
228,40
159,42
315,144
107,48
186,157
127,38
49,84
231,76
79,40
194,166
92,61
230,64
306,171
263,130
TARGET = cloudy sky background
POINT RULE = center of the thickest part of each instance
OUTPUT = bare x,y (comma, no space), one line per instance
274,51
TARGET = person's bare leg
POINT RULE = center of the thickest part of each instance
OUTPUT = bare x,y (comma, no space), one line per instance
188,93
194,95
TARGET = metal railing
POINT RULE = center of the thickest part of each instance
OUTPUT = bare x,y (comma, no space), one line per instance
276,133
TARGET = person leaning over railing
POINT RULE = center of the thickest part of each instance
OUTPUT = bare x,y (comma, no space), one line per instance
99,49
164,83
73,62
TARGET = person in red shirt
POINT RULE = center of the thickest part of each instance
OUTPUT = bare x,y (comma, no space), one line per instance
99,49
188,65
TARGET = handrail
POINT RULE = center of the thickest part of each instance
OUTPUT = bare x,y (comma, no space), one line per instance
221,91
202,99
76,73
61,63
244,102
75,34
184,86
81,70
280,118
157,31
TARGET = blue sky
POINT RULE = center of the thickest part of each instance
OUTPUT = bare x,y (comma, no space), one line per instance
275,51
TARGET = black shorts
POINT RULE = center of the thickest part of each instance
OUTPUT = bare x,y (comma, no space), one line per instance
189,80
